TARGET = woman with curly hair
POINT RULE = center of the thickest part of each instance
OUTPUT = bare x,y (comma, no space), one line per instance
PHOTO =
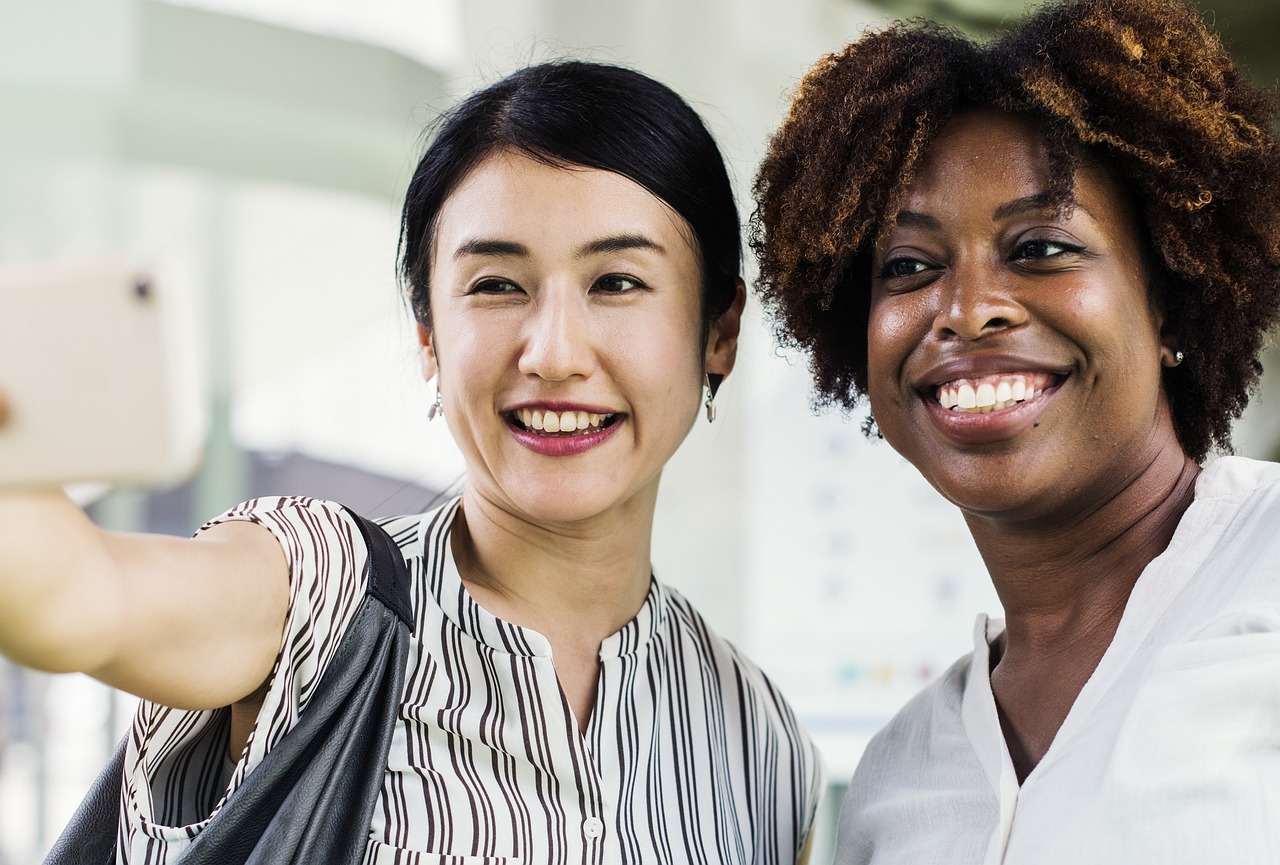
1050,263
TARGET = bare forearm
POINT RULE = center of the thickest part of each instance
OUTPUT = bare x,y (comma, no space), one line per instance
59,588
193,624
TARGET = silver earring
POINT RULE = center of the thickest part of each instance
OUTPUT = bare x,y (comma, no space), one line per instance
436,408
1178,358
712,384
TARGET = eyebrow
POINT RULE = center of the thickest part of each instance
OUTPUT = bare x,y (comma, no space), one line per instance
1037,201
491,248
912,219
511,249
1040,201
619,243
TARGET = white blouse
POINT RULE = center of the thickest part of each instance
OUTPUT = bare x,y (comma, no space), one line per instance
1170,754
690,755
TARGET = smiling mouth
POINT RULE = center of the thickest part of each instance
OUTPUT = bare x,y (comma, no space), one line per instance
559,424
993,392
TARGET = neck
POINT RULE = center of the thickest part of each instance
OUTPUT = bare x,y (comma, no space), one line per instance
575,583
1064,584
1062,579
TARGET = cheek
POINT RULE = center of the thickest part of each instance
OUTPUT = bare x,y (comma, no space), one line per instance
892,332
1118,315
471,352
657,355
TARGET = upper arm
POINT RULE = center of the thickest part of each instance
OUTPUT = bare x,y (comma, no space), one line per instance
194,624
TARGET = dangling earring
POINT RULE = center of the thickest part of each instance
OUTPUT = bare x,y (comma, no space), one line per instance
436,408
711,382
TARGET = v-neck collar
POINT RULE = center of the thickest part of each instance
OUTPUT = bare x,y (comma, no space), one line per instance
1153,593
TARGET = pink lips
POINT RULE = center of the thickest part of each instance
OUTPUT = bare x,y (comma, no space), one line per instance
999,425
563,445
967,428
975,428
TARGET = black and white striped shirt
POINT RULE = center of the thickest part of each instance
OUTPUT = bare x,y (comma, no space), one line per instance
690,756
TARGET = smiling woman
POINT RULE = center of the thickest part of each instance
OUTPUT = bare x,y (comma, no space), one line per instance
570,248
1050,263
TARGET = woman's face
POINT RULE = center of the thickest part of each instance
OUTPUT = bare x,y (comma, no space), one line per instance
566,329
1014,354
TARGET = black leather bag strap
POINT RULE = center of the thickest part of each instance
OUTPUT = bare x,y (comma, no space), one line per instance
311,799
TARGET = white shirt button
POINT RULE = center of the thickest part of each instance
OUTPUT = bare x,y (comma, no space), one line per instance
593,827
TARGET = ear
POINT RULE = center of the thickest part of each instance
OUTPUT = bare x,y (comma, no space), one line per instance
1169,354
427,353
722,341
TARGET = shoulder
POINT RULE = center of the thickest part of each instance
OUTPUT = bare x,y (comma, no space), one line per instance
924,736
1231,530
1233,478
320,539
762,704
422,535
754,723
919,788
686,622
309,517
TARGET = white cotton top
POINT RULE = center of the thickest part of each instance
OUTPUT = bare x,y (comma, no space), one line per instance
690,755
1170,754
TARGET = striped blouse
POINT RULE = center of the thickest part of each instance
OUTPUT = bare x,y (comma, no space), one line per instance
691,755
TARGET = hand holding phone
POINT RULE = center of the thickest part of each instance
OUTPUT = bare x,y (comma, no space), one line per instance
96,377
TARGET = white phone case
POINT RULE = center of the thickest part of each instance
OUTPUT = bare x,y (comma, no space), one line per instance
100,382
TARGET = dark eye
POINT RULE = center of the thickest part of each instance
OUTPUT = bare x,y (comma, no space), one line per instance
899,267
1042,248
616,283
495,286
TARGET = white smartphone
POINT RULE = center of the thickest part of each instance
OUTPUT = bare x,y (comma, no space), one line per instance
99,378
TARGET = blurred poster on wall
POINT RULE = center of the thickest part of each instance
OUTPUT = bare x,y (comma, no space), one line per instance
863,582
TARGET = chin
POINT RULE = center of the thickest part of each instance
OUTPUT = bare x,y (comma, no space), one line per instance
561,503
990,486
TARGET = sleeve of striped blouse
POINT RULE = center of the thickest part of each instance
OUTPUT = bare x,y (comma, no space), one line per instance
176,760
326,557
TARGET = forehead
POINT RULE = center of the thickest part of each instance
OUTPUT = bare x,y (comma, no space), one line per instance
552,208
982,152
984,160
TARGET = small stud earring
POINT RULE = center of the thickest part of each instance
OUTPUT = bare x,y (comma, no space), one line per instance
711,382
436,408
1178,358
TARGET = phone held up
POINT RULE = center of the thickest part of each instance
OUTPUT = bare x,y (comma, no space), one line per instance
98,377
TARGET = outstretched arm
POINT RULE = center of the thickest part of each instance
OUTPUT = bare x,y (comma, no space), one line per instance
194,624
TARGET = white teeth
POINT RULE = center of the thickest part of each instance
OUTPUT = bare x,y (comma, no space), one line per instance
991,394
559,422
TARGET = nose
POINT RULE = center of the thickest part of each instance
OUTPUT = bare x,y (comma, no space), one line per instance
976,300
558,343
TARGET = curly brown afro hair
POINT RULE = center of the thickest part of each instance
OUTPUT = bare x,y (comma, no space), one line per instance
1140,86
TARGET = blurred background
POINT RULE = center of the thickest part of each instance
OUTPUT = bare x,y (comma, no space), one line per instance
255,152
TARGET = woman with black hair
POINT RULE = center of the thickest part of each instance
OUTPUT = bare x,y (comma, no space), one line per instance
1050,263
570,247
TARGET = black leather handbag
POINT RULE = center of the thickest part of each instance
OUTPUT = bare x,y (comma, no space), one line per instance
312,797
